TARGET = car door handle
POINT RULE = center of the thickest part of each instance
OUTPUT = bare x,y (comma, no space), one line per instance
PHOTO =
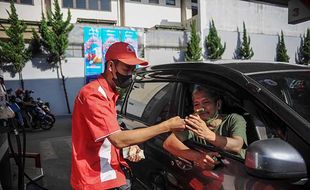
182,164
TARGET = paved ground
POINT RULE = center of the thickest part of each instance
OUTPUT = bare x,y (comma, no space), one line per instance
54,145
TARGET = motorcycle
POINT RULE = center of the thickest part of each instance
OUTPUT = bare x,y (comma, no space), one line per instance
46,118
35,114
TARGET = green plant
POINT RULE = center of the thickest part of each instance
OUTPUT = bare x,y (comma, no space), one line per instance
35,44
215,49
281,50
54,33
193,49
14,52
245,51
303,52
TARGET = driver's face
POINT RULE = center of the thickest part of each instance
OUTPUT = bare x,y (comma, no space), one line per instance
201,100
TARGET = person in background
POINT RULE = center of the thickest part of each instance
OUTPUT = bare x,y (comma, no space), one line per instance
97,162
225,131
3,98
5,111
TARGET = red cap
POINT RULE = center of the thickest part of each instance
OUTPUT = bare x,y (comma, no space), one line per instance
125,53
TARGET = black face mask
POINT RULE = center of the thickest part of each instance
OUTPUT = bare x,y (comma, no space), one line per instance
122,81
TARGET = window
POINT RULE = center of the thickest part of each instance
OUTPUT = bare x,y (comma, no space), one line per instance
27,2
81,4
194,7
154,1
151,102
292,88
93,4
100,5
105,5
170,2
68,3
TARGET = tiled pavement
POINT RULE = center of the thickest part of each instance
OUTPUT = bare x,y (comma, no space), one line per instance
54,146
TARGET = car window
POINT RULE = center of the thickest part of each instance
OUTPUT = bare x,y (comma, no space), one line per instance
151,102
220,119
260,123
291,87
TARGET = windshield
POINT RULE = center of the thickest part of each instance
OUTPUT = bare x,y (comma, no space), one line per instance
291,87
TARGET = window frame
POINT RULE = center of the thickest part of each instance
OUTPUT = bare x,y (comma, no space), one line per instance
17,2
154,3
170,4
260,112
87,5
146,117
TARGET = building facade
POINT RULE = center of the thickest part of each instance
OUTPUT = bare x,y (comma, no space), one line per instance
129,13
162,27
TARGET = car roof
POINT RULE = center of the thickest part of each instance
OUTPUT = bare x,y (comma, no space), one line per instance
247,67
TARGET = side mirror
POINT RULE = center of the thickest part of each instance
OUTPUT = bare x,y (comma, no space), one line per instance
274,159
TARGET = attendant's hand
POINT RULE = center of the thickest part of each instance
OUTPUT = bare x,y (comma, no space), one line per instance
174,124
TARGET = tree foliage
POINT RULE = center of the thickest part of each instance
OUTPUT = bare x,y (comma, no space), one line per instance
303,52
245,51
54,32
215,49
14,51
193,49
281,50
35,43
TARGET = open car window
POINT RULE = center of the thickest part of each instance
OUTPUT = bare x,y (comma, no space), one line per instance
260,122
151,102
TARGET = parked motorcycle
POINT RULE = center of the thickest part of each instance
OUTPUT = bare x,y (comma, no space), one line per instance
34,114
45,119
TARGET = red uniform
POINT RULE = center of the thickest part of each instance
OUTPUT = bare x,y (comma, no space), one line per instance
95,161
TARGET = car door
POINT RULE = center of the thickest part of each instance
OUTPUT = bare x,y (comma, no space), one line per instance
151,101
262,123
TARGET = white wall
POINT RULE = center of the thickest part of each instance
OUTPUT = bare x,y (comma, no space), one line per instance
146,15
46,83
164,46
25,12
264,46
263,23
39,69
259,18
157,56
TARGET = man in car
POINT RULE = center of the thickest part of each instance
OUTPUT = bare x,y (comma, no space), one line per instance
96,136
227,132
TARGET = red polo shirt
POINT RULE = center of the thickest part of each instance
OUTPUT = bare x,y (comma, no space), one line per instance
95,161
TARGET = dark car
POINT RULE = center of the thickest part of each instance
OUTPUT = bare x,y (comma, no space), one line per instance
273,98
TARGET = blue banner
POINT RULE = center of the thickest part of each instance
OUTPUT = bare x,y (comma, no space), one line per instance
92,51
109,37
96,43
130,37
